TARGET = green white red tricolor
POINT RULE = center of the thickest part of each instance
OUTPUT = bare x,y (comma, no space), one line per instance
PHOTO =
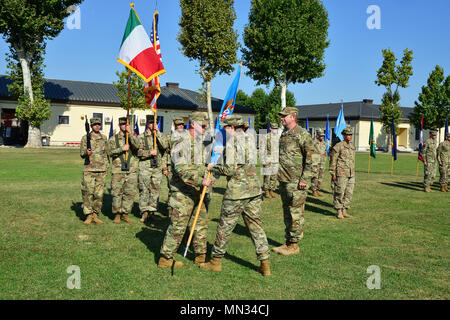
137,52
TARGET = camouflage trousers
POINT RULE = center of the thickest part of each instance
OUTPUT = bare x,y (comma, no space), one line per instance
92,189
316,181
183,206
429,174
149,187
343,192
270,182
293,210
444,170
250,209
123,190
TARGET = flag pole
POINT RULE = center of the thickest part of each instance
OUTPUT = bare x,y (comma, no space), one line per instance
154,127
128,110
368,170
417,168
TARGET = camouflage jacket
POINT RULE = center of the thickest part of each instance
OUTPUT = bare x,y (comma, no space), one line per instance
321,149
187,174
146,141
168,161
272,155
242,179
429,151
99,160
342,160
296,156
443,152
116,153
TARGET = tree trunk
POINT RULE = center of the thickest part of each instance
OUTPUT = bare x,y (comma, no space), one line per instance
34,133
283,94
209,106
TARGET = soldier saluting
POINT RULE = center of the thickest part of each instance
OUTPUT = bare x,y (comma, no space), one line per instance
94,171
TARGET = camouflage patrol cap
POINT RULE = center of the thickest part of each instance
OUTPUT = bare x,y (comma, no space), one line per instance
274,125
232,120
246,125
199,116
95,121
288,110
122,120
347,131
433,132
320,132
150,118
178,121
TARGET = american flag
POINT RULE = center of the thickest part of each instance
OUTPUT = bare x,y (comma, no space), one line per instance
152,89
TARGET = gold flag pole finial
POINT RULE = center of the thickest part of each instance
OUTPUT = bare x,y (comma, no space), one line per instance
132,5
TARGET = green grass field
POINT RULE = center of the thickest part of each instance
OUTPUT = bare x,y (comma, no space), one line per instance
396,226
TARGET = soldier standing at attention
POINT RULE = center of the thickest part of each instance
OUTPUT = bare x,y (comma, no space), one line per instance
186,188
294,174
429,161
342,170
242,197
443,156
123,182
150,169
95,171
321,150
271,166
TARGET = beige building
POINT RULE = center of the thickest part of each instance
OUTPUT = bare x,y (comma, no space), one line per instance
72,101
359,114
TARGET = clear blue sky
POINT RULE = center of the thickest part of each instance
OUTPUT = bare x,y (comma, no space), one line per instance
352,59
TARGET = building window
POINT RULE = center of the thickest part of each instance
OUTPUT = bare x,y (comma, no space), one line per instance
160,121
63,119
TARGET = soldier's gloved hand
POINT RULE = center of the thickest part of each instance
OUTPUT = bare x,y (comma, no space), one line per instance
210,166
302,185
126,147
128,128
89,152
206,182
154,152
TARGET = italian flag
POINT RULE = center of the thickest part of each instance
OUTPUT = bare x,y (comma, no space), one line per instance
137,52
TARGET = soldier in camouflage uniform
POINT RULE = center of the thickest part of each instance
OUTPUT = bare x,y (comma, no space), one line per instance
95,171
342,170
270,180
429,161
186,187
321,150
242,197
295,172
151,164
443,157
123,183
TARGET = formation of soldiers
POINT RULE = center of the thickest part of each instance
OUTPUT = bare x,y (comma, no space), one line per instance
294,160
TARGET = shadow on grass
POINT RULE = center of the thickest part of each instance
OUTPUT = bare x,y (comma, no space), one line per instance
153,236
416,186
77,208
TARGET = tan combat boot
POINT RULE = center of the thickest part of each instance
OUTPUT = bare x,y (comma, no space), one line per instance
144,216
168,263
340,215
292,248
273,194
126,218
88,219
278,249
345,214
215,264
117,218
200,258
267,194
446,188
318,193
315,193
264,268
427,189
96,219
443,189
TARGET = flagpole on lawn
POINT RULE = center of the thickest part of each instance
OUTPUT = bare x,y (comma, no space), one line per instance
368,170
128,110
417,168
197,212
154,127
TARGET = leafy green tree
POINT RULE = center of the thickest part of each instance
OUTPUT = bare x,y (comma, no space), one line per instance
434,101
391,75
26,25
242,98
258,102
285,42
137,97
274,104
207,36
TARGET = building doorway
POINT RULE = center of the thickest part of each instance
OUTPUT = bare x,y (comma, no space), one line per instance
13,130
